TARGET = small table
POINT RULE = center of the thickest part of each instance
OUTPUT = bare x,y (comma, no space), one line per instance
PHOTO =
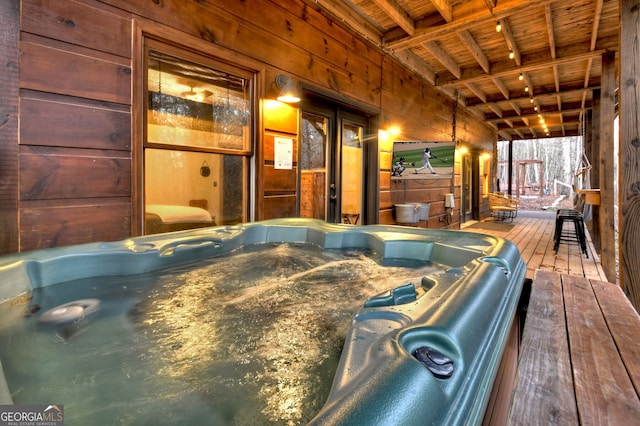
591,196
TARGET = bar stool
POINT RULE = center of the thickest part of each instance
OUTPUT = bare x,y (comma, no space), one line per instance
577,235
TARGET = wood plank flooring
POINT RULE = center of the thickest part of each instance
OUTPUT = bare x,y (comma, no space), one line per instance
532,232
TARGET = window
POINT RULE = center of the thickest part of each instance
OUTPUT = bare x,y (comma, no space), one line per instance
197,140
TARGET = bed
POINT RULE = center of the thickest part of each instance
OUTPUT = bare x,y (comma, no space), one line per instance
161,218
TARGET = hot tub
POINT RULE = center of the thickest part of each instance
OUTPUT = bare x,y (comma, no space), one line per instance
287,321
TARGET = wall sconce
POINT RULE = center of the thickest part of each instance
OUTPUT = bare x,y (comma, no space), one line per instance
288,91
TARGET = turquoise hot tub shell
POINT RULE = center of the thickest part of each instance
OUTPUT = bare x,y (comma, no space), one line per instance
421,353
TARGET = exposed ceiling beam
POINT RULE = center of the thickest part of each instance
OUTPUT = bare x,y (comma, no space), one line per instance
552,39
533,65
596,24
444,8
444,58
475,50
511,41
504,135
501,86
497,111
534,115
528,89
416,64
397,14
476,91
491,3
539,96
342,12
468,18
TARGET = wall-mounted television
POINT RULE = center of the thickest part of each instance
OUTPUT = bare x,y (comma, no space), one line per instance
422,159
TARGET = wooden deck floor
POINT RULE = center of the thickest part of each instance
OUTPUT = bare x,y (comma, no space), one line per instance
532,232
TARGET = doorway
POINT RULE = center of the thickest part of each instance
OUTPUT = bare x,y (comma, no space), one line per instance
333,162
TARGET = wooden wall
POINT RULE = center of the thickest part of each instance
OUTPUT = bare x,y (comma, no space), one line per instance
70,165
424,113
9,38
75,124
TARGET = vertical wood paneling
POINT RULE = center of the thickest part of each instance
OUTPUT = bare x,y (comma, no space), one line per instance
629,161
9,39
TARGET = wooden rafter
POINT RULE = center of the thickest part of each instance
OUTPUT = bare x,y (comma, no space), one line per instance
539,96
397,14
491,3
501,86
552,39
470,20
475,50
445,9
534,116
476,91
454,45
444,58
530,66
496,110
511,41
414,63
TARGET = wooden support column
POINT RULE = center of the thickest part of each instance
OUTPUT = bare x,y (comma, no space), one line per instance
510,169
607,211
592,149
9,39
629,181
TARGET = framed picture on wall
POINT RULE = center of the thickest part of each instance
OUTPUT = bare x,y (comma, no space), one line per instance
422,159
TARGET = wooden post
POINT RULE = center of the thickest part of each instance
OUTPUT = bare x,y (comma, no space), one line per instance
9,41
629,180
607,212
510,169
591,140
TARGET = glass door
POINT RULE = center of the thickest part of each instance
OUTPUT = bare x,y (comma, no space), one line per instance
314,153
352,172
467,192
332,164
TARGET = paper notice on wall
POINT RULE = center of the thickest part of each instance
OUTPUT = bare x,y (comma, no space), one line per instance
283,153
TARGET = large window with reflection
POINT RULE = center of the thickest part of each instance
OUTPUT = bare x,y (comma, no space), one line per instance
197,139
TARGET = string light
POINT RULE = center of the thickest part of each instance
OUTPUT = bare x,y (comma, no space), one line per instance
526,88
511,54
521,77
498,27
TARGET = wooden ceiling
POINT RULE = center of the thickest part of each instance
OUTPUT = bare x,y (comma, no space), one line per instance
556,47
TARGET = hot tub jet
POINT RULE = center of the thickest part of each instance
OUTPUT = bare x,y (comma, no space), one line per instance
70,312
